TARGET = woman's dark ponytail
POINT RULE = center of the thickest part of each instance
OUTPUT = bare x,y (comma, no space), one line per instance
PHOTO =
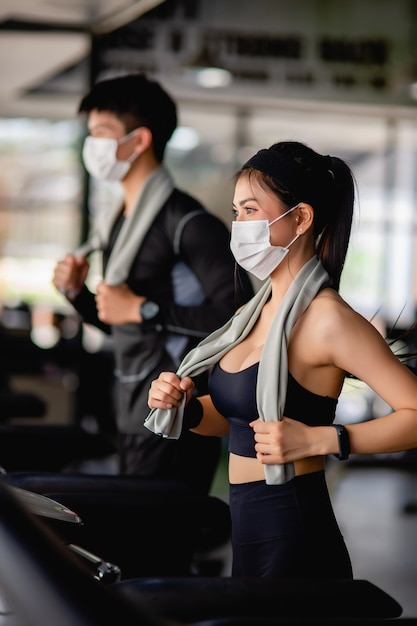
334,238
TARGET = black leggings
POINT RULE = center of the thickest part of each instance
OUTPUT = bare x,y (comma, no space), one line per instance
287,530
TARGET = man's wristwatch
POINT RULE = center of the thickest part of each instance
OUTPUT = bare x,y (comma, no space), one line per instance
148,310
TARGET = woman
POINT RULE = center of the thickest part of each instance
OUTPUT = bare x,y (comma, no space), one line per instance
278,367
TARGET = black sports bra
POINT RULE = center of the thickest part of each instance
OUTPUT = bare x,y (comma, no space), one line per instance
234,396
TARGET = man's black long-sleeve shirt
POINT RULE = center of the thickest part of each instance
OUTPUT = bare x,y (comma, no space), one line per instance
185,251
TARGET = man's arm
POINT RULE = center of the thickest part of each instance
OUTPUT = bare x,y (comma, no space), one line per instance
205,248
84,303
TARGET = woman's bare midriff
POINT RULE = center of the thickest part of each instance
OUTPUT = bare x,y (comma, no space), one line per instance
244,469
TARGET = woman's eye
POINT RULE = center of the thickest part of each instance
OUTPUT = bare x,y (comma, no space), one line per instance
247,209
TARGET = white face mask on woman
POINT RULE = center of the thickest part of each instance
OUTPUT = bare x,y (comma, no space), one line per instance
252,249
99,156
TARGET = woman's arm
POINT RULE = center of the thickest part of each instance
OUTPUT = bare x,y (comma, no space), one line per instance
364,353
212,424
349,342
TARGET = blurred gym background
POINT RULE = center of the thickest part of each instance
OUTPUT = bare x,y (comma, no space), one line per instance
341,77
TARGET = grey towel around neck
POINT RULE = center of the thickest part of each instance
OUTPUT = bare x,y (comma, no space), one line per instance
271,389
152,196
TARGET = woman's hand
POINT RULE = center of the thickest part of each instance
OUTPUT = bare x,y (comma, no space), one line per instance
168,389
289,440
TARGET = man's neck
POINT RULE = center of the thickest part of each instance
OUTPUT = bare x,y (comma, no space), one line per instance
134,182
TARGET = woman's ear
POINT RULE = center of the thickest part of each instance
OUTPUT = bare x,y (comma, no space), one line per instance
304,217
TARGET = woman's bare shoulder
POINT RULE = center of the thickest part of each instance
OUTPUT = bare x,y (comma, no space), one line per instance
329,310
331,321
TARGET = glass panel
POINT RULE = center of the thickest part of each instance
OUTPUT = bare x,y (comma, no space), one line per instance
40,199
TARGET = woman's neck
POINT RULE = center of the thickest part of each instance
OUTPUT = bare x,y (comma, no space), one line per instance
285,273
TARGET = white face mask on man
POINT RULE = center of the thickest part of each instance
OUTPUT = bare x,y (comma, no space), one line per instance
252,249
99,156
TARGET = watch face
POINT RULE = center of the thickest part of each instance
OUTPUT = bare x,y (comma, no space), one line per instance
149,310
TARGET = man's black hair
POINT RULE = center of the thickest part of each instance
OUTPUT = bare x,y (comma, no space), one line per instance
137,101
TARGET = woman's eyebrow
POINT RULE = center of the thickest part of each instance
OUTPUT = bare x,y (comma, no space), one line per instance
242,202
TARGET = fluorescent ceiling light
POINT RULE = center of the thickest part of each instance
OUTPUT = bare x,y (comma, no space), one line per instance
210,77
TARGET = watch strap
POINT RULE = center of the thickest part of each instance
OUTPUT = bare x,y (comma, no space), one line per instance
344,442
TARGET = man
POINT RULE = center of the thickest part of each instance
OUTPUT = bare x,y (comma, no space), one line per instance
169,275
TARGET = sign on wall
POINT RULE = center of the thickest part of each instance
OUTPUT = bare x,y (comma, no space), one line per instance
356,51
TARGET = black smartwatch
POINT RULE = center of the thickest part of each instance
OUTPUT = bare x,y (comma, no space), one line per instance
344,443
148,310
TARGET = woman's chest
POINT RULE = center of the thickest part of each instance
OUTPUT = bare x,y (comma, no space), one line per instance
249,350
